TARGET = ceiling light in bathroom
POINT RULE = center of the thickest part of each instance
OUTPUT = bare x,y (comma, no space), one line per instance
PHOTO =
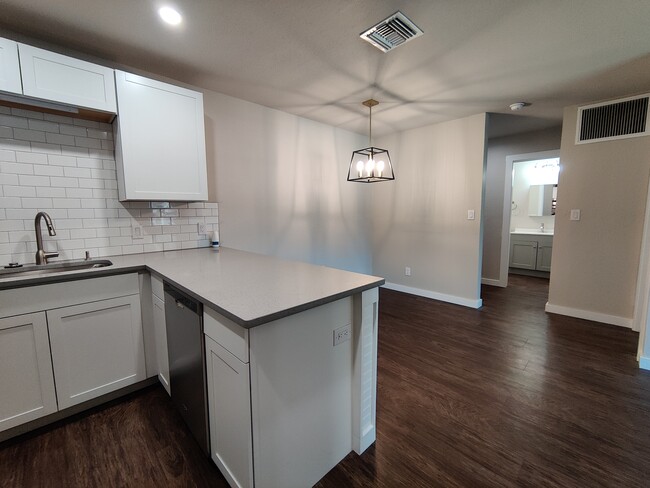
170,15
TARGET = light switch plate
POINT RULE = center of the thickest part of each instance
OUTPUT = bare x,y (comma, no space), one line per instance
136,231
575,214
470,215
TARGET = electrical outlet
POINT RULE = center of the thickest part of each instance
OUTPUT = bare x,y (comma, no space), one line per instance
342,334
407,271
136,231
201,229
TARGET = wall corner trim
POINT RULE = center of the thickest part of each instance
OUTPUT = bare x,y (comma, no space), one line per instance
644,363
465,302
492,282
589,315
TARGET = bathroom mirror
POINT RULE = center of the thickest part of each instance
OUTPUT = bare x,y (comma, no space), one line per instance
541,200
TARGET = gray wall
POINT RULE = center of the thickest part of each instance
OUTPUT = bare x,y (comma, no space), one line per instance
498,149
280,181
420,219
596,260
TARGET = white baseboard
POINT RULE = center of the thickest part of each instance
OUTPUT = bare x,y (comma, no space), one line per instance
589,315
492,282
466,302
644,363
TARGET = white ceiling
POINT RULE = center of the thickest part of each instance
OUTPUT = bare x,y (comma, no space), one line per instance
305,57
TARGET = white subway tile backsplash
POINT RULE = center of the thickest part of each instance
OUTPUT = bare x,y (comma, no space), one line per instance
60,160
66,167
11,121
64,182
46,148
17,168
59,139
43,191
46,170
43,126
29,180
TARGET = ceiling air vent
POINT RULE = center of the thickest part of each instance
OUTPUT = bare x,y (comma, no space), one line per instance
618,119
392,32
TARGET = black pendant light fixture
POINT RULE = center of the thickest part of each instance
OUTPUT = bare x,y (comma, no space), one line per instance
371,164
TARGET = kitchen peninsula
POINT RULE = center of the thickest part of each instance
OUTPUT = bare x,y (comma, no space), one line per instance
290,353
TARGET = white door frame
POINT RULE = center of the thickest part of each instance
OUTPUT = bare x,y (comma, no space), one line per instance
507,207
642,299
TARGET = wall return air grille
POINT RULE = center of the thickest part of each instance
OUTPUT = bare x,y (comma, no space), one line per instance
617,119
392,32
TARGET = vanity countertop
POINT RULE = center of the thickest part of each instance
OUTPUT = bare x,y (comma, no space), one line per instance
532,232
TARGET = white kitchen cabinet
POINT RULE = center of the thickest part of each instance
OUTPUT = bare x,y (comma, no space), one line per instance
159,141
230,414
160,331
97,348
55,77
26,379
544,252
9,67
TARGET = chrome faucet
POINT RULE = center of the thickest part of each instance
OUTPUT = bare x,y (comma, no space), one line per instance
541,227
42,256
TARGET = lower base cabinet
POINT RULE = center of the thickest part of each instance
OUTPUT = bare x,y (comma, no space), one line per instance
97,348
229,404
26,379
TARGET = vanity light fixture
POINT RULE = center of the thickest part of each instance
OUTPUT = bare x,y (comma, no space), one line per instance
170,15
371,164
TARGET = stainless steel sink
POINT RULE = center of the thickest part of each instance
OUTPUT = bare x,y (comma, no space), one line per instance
53,267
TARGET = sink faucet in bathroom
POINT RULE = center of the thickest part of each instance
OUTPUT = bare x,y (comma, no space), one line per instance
541,227
42,256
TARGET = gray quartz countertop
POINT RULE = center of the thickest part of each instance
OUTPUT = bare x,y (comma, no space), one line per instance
250,289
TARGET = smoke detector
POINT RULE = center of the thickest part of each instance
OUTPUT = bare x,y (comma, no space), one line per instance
518,106
391,32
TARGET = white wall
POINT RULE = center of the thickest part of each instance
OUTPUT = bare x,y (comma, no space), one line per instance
281,184
498,149
420,219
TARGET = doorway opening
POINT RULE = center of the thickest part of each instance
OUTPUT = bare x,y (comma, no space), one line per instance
529,201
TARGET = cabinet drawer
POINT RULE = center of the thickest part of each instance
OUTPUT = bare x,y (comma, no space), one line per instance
226,333
55,295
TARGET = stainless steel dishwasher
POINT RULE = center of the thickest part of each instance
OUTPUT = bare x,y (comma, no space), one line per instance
184,318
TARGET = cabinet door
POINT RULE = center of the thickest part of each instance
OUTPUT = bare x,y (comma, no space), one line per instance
26,379
160,141
160,330
523,254
96,348
544,252
9,67
229,406
51,76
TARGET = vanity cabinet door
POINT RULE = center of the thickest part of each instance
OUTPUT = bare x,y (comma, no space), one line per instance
96,348
160,331
544,252
58,78
9,67
523,254
26,379
231,445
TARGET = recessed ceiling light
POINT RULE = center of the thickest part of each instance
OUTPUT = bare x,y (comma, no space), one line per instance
170,15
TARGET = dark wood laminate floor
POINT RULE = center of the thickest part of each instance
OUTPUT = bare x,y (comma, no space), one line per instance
505,396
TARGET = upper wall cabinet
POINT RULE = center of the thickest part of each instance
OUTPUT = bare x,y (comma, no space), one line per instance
54,77
9,67
159,141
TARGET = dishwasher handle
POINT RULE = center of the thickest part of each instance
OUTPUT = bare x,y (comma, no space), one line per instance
182,300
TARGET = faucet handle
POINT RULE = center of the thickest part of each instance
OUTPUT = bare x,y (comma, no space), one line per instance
49,255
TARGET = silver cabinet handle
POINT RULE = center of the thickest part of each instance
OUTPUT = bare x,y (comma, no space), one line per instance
179,304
